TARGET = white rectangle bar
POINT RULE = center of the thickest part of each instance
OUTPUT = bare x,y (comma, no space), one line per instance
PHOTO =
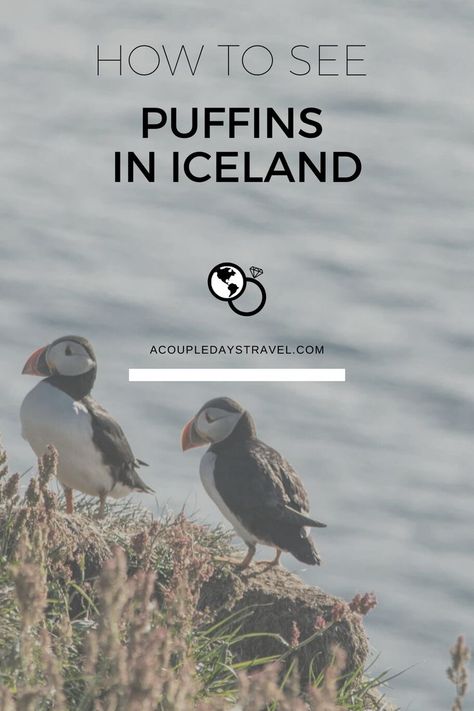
237,375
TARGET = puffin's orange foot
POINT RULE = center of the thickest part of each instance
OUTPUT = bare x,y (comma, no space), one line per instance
241,564
275,563
69,500
248,558
101,512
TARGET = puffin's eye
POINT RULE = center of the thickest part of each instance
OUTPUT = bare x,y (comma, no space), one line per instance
209,418
68,350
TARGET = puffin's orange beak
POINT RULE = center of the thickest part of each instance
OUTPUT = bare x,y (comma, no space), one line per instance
190,438
36,363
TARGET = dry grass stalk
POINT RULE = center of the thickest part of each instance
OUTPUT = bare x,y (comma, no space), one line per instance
458,672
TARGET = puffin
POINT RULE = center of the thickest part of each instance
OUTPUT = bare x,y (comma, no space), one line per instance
254,487
94,456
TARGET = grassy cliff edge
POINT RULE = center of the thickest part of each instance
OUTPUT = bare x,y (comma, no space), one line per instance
133,613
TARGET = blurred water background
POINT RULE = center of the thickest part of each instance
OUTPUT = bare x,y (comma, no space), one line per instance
379,271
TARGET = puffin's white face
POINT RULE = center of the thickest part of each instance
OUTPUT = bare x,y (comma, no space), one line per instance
69,358
214,424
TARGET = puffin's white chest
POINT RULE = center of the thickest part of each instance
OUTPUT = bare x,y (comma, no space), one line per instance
206,471
50,416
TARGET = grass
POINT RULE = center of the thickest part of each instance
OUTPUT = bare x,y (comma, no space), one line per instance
104,616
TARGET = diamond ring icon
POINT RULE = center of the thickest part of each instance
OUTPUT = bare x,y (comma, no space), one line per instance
227,282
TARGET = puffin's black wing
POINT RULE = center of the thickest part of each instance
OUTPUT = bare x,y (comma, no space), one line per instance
110,440
288,498
263,490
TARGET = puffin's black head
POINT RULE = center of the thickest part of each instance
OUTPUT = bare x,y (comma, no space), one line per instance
67,357
217,420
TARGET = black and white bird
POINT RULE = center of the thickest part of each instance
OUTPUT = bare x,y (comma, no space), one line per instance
254,487
94,456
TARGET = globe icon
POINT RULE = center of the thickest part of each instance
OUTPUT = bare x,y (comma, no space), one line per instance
226,281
